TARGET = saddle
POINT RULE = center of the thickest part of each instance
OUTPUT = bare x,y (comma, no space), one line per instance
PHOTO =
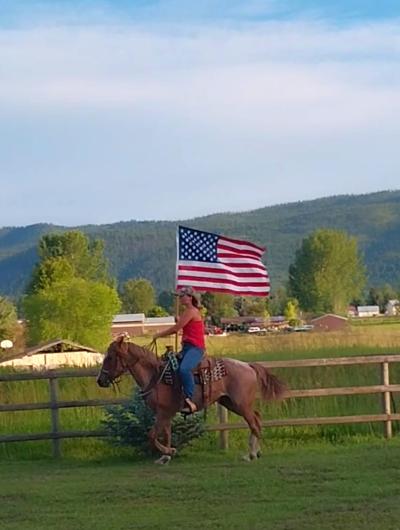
207,371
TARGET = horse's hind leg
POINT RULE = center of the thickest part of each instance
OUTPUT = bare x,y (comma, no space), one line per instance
258,420
253,420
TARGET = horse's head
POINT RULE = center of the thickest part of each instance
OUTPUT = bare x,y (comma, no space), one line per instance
115,361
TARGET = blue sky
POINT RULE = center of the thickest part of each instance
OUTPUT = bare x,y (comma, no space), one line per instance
119,110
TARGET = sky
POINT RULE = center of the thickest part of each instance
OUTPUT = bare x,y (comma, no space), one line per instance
170,109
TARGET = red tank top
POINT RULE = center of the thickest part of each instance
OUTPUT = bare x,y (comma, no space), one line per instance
193,333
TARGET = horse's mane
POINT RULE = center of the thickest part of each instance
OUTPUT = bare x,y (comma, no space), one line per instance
145,355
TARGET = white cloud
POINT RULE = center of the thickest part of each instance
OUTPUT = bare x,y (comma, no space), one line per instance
255,66
271,102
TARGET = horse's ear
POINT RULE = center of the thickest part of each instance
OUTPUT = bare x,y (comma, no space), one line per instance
123,337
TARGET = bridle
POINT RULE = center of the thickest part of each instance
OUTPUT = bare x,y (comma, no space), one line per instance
128,367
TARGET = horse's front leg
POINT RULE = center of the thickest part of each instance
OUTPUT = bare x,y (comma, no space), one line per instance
165,459
162,425
167,435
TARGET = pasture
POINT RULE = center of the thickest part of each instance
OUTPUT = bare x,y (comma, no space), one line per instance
322,477
320,486
356,341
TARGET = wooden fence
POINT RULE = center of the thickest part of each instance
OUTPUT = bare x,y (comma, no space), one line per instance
54,405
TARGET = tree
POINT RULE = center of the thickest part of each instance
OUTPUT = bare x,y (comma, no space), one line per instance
71,295
137,296
291,312
255,306
219,305
381,295
85,258
72,308
129,425
327,272
8,319
166,300
157,311
277,301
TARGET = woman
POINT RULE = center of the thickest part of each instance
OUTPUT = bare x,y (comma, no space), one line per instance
193,343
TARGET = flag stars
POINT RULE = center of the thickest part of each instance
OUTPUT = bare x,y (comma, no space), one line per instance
197,246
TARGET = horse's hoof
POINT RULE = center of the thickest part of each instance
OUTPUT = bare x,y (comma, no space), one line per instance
250,457
173,451
163,460
259,454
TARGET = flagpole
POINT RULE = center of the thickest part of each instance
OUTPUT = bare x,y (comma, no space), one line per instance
176,319
176,284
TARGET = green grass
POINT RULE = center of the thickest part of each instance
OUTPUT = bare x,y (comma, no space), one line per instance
322,487
361,340
289,346
376,321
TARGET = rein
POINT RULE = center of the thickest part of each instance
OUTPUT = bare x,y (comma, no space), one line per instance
153,383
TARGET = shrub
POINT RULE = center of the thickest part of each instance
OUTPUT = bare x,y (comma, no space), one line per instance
129,425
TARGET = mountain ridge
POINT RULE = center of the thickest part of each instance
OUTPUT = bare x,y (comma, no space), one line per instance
147,248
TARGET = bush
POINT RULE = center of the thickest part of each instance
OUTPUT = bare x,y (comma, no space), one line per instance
129,425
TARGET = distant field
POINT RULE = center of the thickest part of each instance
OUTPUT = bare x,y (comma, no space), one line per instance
376,321
354,341
320,487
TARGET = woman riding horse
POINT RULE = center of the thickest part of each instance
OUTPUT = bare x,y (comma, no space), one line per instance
193,343
237,391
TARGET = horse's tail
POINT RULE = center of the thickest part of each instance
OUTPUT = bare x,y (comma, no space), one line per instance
271,386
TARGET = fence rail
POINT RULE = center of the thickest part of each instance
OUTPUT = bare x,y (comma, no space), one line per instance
223,427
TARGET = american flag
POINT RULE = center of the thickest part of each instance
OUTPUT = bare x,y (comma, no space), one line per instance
209,262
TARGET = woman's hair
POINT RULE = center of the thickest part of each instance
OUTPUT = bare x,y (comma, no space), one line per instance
195,302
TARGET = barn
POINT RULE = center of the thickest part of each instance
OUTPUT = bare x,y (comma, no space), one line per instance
329,322
53,354
136,324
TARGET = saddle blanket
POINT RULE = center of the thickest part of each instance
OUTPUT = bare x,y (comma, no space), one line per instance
208,371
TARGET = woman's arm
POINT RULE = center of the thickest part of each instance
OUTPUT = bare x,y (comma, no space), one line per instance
182,321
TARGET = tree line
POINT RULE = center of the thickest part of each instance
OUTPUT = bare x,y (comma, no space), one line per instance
73,295
146,249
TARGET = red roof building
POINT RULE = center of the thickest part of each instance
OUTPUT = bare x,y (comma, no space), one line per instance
329,322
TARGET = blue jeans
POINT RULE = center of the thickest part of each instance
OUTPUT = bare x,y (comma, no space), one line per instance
191,356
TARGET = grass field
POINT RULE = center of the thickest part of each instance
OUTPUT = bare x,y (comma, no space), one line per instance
320,487
320,478
356,341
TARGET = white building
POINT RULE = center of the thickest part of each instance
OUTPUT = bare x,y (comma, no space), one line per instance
392,308
54,354
137,324
368,310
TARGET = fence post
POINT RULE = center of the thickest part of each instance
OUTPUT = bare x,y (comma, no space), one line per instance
223,435
386,406
55,419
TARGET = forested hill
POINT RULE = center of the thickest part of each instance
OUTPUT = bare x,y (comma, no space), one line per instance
148,249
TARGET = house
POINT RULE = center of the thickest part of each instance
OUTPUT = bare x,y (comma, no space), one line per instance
368,310
132,323
352,311
241,323
53,354
155,324
277,323
329,322
137,324
392,308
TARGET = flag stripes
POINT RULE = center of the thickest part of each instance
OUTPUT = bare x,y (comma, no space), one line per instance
209,262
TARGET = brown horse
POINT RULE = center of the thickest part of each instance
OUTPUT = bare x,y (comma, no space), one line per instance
236,391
